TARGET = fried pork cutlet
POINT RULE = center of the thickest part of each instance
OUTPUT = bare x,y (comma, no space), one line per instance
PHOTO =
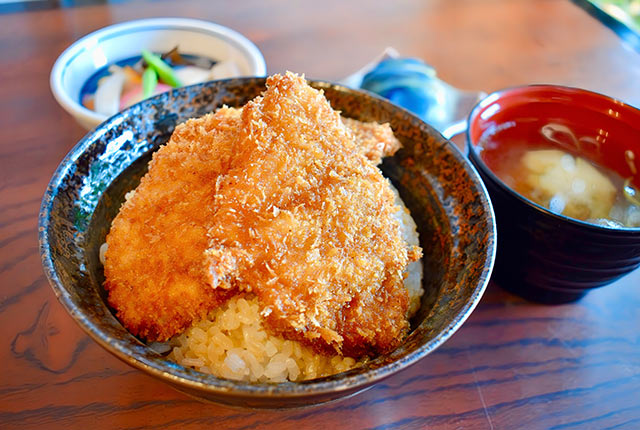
277,199
374,140
304,221
154,266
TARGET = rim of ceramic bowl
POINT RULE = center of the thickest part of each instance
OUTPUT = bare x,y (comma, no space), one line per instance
479,162
214,385
75,108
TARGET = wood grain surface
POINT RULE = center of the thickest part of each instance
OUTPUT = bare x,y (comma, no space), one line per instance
513,365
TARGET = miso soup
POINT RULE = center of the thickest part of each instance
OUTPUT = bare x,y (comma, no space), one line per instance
562,170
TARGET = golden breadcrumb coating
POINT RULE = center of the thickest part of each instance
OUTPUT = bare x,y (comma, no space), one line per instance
279,198
375,140
154,265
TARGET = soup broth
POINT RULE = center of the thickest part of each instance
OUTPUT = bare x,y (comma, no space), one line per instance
551,168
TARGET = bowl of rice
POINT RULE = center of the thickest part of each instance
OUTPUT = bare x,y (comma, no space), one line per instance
230,356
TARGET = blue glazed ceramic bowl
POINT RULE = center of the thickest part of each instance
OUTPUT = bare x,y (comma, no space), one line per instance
442,190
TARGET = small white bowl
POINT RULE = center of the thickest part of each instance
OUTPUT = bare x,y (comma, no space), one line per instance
120,41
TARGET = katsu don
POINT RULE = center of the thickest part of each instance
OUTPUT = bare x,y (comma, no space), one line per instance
280,199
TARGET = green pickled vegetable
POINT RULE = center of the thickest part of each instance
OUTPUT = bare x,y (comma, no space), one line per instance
149,82
164,71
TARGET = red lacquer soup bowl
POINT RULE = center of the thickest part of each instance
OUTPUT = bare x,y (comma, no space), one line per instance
562,167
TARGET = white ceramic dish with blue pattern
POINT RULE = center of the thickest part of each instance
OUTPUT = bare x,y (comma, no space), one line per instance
120,41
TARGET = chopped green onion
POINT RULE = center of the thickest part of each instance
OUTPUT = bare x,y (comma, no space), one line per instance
165,72
149,82
630,193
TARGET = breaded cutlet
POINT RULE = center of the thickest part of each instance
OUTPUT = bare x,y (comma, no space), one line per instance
278,199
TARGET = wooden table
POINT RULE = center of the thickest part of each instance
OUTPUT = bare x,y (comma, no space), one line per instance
513,365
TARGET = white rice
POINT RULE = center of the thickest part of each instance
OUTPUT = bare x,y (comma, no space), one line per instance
409,232
233,344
